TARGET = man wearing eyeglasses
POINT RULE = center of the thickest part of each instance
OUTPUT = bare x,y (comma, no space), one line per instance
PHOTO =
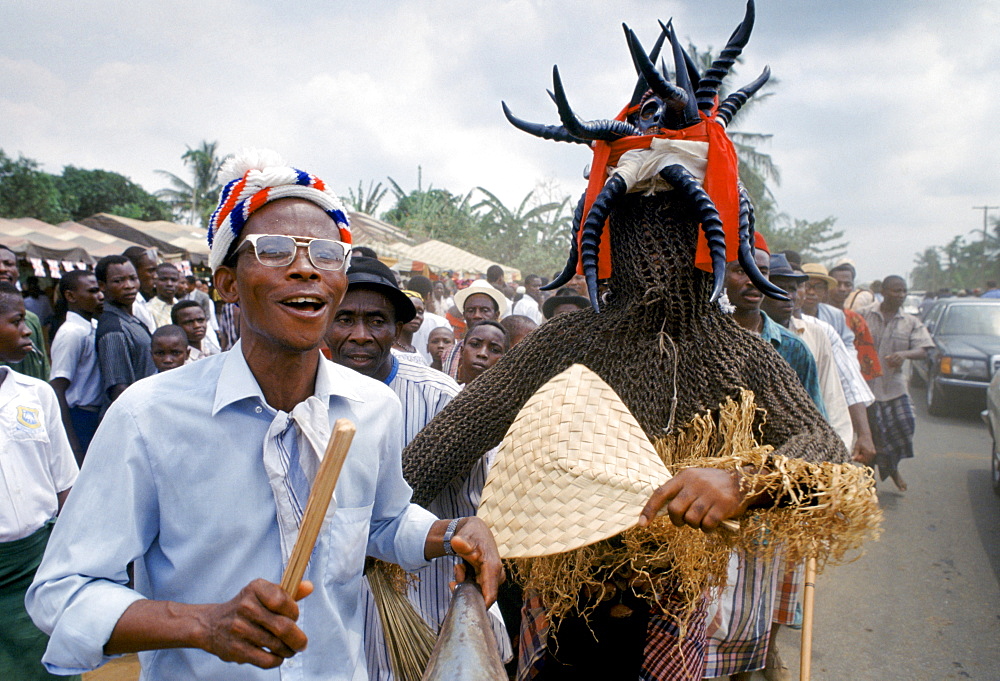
200,475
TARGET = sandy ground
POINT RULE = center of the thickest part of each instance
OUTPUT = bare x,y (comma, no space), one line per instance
121,669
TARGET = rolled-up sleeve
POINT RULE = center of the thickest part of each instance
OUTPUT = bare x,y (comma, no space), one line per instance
109,520
399,528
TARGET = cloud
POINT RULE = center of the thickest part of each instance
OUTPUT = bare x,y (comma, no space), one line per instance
882,116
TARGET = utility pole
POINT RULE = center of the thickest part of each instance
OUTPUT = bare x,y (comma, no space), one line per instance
987,269
986,211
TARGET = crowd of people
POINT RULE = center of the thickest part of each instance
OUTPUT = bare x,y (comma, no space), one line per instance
165,479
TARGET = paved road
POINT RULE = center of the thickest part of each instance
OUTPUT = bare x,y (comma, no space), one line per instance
924,601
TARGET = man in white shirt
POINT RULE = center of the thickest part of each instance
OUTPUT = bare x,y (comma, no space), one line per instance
37,470
167,277
528,303
144,261
190,316
76,374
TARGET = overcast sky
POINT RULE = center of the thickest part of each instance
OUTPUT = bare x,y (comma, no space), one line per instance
884,114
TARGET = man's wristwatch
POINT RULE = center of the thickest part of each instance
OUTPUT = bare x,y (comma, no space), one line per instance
448,533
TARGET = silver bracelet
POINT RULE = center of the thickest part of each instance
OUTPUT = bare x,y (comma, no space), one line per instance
448,551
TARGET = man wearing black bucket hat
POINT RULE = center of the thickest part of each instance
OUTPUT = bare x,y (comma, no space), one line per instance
364,327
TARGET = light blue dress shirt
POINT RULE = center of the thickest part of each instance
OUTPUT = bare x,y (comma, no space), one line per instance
174,479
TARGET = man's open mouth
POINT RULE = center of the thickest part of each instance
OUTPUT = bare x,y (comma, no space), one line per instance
305,303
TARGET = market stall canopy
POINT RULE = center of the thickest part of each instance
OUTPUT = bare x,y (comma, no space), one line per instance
440,256
369,231
171,240
68,241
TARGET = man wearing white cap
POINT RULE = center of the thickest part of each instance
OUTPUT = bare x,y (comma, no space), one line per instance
479,302
200,475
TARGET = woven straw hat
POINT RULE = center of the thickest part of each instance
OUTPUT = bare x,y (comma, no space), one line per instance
484,287
817,271
574,468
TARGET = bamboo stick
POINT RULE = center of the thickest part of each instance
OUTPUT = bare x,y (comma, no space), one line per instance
808,606
319,501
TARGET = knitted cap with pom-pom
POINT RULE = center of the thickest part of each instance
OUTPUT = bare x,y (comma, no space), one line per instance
254,178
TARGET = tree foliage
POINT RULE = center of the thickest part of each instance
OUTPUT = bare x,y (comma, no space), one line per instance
365,200
815,241
533,236
194,201
27,191
87,192
965,262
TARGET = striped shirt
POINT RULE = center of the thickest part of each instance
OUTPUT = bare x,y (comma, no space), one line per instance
856,390
123,348
423,393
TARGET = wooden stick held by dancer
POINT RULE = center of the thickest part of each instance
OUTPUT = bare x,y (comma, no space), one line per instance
319,501
808,607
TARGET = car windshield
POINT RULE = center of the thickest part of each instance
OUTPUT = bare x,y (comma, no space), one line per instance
971,320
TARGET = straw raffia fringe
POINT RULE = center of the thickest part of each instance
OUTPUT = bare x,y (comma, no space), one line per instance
827,510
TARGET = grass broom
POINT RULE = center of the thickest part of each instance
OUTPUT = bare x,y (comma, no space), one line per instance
408,638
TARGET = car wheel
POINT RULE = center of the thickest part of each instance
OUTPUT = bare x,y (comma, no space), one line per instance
935,398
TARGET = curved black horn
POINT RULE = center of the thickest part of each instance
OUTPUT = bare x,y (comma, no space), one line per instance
641,86
590,242
574,253
708,86
736,100
693,75
546,132
646,68
711,224
683,78
607,130
745,253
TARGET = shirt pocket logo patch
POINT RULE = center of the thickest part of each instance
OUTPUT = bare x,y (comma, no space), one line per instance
28,418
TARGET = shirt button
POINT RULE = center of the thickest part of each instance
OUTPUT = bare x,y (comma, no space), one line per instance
258,410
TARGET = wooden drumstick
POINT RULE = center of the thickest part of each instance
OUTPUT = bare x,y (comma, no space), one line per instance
319,501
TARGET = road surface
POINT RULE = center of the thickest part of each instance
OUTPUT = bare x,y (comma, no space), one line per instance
924,601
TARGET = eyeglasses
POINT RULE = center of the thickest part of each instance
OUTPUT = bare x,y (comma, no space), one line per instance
278,250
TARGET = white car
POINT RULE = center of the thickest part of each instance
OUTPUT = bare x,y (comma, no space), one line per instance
991,416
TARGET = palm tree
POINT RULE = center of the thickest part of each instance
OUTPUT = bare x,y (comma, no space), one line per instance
366,201
195,201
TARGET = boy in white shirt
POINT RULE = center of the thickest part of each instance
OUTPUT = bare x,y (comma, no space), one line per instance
76,375
37,469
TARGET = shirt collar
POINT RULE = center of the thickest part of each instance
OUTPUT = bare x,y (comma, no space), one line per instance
7,389
393,371
237,382
118,312
770,331
79,320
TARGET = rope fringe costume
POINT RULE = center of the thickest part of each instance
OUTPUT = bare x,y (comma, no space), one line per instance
706,392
